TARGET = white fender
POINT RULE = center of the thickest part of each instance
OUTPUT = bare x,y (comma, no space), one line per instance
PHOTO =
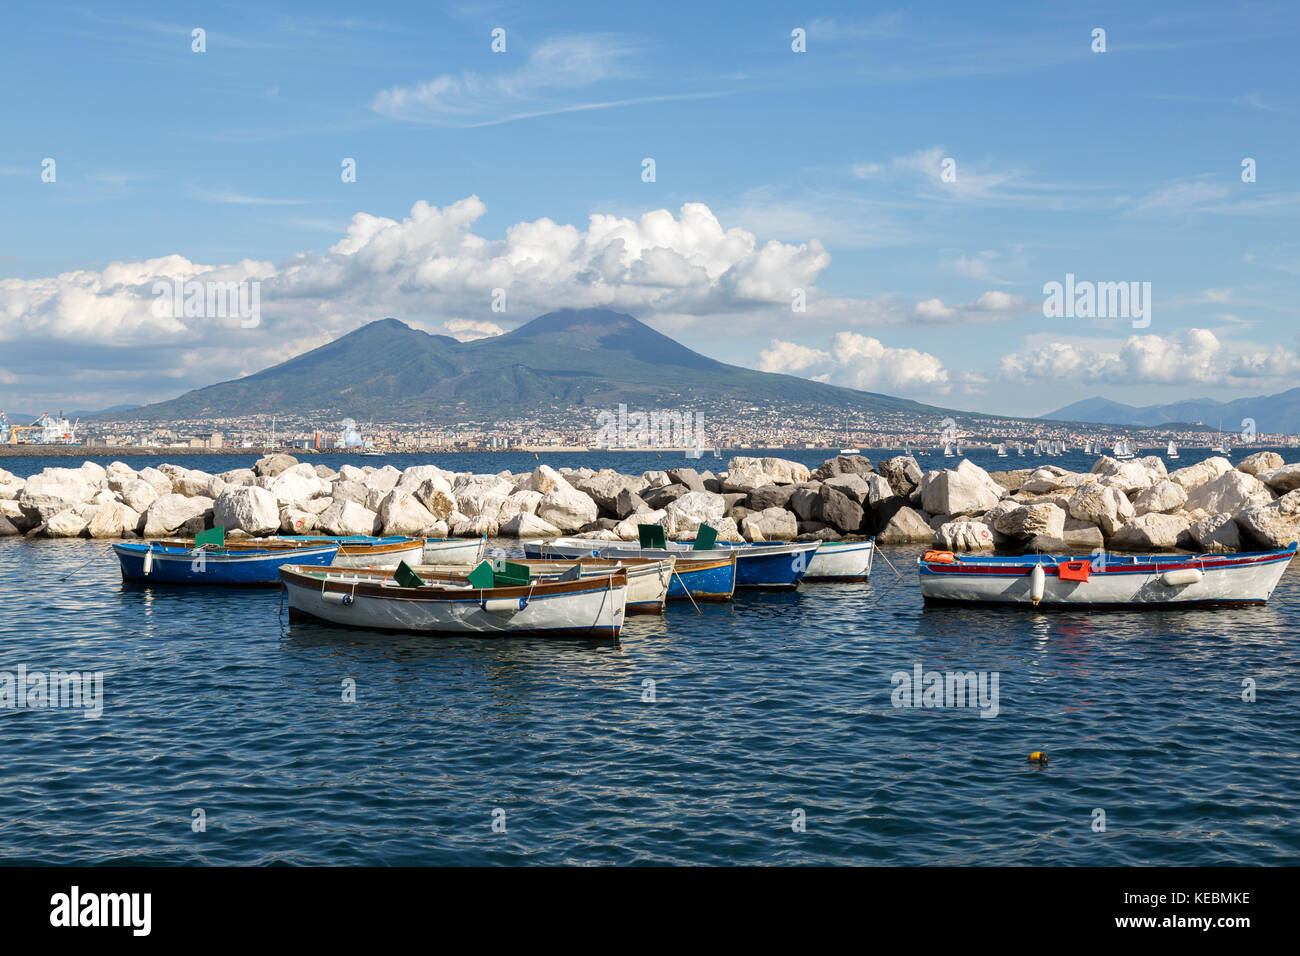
148,561
338,598
1182,576
1037,583
503,605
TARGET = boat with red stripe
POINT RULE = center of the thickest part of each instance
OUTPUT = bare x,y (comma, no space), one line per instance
1103,579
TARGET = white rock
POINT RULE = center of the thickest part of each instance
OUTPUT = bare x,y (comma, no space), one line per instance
1152,532
963,536
65,524
345,517
527,525
1217,533
247,508
688,512
1283,479
1163,496
52,491
1103,505
545,479
113,520
169,512
1260,461
1193,476
566,508
1232,491
402,514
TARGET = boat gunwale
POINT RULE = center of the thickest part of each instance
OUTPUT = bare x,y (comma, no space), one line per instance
319,577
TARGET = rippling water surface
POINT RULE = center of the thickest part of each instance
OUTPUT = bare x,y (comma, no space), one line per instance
763,707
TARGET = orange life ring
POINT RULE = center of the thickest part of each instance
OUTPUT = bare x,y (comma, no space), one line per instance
939,557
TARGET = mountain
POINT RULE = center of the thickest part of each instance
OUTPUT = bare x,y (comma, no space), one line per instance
1272,413
388,371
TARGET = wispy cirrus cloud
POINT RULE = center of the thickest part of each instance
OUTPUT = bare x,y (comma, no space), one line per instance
561,75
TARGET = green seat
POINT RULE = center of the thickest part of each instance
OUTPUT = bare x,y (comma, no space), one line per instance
507,574
705,538
652,536
213,536
483,576
407,578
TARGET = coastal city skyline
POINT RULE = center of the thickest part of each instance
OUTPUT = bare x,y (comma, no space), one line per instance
923,249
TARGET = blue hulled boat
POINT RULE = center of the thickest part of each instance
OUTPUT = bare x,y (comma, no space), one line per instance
174,564
757,566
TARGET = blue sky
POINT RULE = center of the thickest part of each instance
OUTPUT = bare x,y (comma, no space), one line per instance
774,171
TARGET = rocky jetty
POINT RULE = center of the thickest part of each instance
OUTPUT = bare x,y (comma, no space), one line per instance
1121,505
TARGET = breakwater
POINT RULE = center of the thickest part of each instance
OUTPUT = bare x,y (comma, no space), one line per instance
1137,505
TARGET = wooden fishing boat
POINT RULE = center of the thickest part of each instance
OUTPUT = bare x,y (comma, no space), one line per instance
701,578
355,551
162,563
374,599
364,551
647,579
1110,580
777,565
842,561
467,551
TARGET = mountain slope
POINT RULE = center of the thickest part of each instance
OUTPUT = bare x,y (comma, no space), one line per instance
388,371
1271,413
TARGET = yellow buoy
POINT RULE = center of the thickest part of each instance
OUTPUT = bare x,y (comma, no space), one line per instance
1038,757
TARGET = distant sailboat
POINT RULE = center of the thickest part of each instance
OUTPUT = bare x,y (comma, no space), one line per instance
1002,450
1172,450
1123,450
1020,449
947,450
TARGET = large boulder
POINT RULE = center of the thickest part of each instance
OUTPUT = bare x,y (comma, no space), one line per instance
523,502
297,521
524,524
963,536
69,523
247,508
1232,491
1103,505
806,503
1128,476
349,489
192,483
113,520
902,472
402,514
345,517
1082,535
966,490
628,502
239,476
546,479
1193,476
1218,533
271,465
629,528
439,502
1027,521
856,487
839,510
169,513
746,474
770,524
52,491
1260,461
605,487
843,465
907,526
687,513
416,476
1283,479
138,495
161,482
565,507
689,477
1163,496
1274,525
1152,532
294,488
